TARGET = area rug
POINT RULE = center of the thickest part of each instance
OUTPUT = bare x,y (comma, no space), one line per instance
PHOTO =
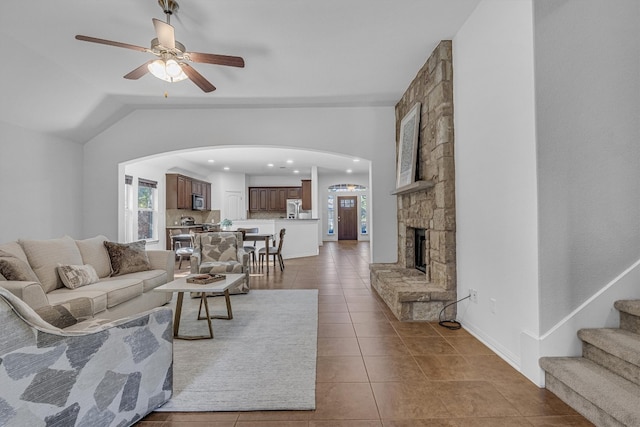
262,359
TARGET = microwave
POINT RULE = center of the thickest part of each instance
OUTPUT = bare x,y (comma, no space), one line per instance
197,202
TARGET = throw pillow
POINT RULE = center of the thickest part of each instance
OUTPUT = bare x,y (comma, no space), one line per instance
56,315
93,252
74,276
127,257
13,268
45,255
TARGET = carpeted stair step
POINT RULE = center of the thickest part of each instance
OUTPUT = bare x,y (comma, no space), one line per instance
629,314
601,396
615,349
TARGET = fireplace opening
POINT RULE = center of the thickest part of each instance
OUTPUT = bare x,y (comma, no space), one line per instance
420,249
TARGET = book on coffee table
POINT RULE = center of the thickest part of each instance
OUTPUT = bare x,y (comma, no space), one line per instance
204,279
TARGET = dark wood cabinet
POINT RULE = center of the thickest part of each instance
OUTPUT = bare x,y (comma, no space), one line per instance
206,193
306,195
293,193
271,199
179,189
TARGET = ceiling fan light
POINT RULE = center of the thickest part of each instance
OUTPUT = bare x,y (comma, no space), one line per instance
158,69
173,68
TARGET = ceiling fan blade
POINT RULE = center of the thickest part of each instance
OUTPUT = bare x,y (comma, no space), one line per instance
165,33
110,43
197,78
210,58
138,72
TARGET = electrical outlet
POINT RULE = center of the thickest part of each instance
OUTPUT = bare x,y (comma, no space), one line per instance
492,305
473,293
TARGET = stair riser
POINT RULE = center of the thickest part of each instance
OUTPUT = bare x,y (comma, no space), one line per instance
629,322
625,369
579,403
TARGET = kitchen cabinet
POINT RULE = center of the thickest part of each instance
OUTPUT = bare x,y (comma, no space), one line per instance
293,193
306,195
179,189
271,199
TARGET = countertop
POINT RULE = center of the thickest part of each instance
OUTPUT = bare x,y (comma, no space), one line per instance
188,226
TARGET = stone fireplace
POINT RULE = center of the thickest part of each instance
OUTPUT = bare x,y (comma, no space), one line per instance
426,208
421,250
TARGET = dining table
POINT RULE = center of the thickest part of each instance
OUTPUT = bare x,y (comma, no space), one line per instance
254,237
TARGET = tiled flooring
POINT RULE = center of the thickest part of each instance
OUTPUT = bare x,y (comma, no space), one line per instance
374,371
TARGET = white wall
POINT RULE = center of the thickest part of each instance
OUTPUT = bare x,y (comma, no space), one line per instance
365,132
588,105
496,201
40,185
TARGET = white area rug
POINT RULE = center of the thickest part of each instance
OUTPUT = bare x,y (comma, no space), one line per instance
262,359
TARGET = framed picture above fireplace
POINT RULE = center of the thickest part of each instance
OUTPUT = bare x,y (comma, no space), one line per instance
408,147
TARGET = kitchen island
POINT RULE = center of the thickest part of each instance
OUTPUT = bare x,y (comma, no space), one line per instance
300,240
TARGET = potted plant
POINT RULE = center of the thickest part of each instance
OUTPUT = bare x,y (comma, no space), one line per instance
225,224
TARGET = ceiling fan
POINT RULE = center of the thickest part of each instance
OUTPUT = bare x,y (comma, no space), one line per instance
170,64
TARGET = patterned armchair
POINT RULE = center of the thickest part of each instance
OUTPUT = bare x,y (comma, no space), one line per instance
112,374
221,252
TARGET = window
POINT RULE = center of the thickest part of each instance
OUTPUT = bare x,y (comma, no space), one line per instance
330,215
128,208
147,209
363,214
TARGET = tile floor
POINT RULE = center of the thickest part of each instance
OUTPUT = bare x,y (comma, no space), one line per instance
374,371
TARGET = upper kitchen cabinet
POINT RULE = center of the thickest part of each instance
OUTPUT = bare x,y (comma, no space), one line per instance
271,199
306,195
181,187
294,193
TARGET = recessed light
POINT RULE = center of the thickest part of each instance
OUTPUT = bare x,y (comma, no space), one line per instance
210,160
296,171
270,165
289,161
349,171
226,168
356,160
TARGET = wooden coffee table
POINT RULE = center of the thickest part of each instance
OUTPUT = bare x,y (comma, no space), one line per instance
181,286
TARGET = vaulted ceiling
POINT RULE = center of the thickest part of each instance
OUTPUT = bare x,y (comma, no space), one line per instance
297,52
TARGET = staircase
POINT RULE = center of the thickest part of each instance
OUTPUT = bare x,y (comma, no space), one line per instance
604,384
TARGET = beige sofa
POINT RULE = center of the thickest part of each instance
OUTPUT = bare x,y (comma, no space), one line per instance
112,296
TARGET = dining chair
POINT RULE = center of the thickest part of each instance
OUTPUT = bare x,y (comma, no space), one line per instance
249,249
185,252
274,251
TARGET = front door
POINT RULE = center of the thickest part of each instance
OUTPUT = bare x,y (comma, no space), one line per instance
348,218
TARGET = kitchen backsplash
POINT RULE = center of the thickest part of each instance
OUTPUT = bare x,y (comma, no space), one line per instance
266,215
201,217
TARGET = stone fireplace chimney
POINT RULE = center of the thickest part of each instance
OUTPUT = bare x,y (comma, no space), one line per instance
428,204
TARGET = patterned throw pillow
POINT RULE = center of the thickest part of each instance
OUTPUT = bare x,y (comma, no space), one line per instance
127,257
13,268
74,276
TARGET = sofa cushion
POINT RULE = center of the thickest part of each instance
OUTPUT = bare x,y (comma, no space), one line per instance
74,276
150,278
95,253
63,295
105,294
127,257
15,250
12,268
45,255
